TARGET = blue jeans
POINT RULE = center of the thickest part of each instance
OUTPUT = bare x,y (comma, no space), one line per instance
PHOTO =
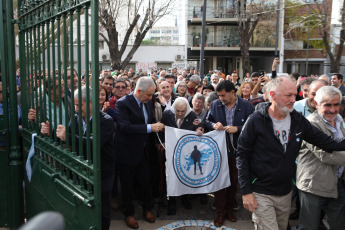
311,206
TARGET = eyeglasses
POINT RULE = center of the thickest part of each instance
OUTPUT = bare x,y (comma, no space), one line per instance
184,86
120,87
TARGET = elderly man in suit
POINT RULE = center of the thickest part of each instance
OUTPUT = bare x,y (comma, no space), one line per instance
106,142
135,121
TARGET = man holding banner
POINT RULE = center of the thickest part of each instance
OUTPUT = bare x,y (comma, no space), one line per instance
228,113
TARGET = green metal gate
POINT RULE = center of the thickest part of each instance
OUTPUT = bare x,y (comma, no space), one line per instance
11,164
56,38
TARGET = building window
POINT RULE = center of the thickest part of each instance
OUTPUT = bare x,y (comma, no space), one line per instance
101,45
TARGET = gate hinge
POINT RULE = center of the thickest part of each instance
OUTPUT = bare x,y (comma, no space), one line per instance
15,21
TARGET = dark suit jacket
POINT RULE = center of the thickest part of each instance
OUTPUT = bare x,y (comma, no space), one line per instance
217,114
173,98
131,138
342,89
106,142
168,119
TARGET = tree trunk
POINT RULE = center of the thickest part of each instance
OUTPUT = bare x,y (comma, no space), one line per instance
245,62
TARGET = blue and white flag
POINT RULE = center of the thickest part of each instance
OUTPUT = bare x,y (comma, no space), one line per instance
195,164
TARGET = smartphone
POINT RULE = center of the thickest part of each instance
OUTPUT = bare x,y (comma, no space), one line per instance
261,73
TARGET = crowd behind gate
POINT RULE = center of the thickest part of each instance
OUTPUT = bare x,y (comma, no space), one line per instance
284,135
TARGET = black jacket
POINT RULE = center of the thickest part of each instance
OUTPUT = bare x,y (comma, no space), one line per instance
106,142
262,164
168,119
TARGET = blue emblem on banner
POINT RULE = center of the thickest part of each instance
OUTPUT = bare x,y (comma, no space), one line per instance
197,160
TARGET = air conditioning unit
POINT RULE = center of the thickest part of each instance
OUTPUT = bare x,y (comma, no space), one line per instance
179,57
104,57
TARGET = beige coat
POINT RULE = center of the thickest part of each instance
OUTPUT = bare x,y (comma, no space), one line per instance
317,169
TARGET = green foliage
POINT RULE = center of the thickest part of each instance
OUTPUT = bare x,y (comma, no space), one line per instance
148,42
301,18
316,44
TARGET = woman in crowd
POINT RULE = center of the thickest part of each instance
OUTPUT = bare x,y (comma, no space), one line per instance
245,91
181,89
235,80
104,104
207,89
130,86
198,89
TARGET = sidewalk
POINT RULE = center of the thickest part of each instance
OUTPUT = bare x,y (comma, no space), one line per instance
201,216
172,224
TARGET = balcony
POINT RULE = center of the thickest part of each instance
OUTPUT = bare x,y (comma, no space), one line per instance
213,13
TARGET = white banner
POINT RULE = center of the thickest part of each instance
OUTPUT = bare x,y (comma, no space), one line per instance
195,164
145,66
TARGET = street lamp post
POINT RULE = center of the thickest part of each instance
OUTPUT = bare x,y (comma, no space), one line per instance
202,48
307,59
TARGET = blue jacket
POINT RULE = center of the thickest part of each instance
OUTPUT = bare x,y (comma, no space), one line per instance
217,114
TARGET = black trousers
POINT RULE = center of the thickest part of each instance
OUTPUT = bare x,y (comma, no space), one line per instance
106,185
139,175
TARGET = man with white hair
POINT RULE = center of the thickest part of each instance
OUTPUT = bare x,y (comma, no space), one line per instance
319,174
324,77
106,143
266,152
135,121
214,80
162,74
194,81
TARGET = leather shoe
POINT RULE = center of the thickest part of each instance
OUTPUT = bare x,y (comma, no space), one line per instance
132,222
231,217
186,204
203,199
171,209
219,221
149,217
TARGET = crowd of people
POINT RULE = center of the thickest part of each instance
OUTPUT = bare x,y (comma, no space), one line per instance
285,139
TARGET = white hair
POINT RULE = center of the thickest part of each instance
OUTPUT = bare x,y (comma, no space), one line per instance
181,101
327,93
195,78
144,83
83,93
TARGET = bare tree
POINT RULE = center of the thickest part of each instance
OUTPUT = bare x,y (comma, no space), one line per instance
250,13
322,10
123,20
318,16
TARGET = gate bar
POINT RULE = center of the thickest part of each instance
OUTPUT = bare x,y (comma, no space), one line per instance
16,162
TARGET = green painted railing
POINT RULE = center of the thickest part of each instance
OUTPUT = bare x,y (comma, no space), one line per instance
55,37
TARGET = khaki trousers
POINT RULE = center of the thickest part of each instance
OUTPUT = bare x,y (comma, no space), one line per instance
272,212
